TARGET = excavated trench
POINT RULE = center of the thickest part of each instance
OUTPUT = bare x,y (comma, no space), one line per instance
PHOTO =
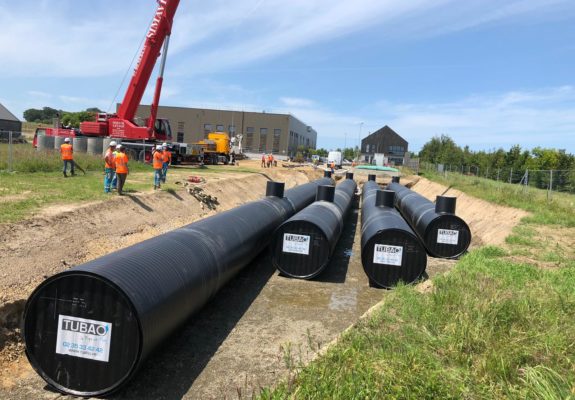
255,328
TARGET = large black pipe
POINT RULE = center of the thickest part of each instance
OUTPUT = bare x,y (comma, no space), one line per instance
303,245
443,233
88,329
390,251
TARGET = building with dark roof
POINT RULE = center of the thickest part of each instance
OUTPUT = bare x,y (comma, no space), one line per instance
387,142
8,121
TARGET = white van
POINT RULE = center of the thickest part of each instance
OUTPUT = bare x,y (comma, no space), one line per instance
336,157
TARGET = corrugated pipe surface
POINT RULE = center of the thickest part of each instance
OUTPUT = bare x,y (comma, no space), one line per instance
443,233
88,329
390,251
302,246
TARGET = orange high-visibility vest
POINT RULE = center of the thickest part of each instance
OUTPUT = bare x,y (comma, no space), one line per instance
167,156
121,163
109,158
66,151
158,160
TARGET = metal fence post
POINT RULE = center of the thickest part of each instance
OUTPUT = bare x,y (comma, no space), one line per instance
10,151
511,175
550,189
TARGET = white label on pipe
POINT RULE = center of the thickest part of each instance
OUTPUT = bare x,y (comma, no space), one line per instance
85,338
389,255
298,244
447,236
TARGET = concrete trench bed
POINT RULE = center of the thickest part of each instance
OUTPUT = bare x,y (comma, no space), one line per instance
239,341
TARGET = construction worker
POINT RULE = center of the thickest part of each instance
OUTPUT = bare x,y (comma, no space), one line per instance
121,161
158,163
167,160
332,167
67,153
115,177
270,158
263,160
110,166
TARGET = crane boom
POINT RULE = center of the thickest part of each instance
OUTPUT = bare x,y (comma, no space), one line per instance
160,28
121,124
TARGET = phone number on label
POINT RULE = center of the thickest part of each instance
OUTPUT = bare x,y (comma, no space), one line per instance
76,346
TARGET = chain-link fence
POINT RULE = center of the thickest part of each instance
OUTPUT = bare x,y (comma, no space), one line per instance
550,180
8,139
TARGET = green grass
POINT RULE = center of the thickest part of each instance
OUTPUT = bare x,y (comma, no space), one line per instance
494,327
36,180
490,329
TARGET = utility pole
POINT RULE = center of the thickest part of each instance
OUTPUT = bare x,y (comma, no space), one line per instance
359,141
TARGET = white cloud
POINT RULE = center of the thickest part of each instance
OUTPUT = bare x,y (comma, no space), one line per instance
543,117
70,38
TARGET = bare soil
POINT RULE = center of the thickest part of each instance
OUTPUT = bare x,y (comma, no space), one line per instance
255,328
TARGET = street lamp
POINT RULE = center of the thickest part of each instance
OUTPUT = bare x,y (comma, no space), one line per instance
359,141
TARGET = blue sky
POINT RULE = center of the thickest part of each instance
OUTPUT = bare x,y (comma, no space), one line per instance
488,73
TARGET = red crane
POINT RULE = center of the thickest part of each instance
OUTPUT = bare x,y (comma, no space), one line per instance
122,124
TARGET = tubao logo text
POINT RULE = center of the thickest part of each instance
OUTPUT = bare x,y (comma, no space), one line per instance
85,327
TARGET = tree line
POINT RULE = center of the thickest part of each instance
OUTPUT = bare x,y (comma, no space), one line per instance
46,115
443,150
515,162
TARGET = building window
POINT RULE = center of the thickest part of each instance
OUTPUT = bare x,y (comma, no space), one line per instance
207,129
232,129
263,139
396,149
276,143
219,128
180,133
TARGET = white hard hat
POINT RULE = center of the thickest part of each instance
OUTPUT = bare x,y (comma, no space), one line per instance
67,140
119,146
165,144
159,147
113,143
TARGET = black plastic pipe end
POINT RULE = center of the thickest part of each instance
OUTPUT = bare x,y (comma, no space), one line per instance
371,177
349,175
385,198
445,205
395,179
325,193
327,173
275,189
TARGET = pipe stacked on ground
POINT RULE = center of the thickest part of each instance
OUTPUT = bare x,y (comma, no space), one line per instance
390,250
303,245
443,233
88,329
